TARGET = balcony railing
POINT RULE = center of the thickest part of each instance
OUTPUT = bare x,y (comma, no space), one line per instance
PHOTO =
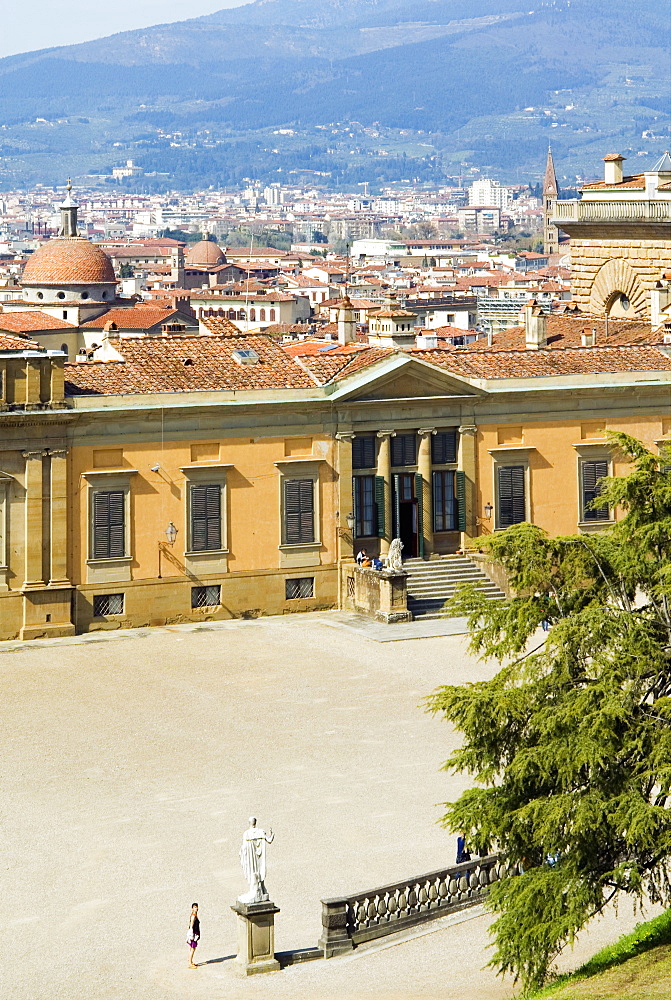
351,920
611,211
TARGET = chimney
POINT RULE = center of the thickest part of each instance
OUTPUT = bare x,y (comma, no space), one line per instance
346,322
589,337
535,326
613,168
427,341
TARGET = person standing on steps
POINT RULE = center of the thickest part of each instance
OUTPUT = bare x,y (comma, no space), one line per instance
194,934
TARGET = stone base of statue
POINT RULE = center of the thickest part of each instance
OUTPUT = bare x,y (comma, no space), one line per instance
256,937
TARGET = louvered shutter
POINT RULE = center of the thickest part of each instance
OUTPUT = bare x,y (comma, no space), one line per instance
444,448
419,493
591,473
461,499
205,517
109,538
363,452
511,495
299,511
379,506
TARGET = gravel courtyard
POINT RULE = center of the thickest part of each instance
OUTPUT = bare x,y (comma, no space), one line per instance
131,765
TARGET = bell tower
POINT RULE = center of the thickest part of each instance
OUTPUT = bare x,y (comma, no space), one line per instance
68,214
550,195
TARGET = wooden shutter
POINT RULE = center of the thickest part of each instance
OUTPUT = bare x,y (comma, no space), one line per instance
591,473
299,524
419,493
205,517
444,448
511,495
363,452
109,536
404,450
461,499
379,506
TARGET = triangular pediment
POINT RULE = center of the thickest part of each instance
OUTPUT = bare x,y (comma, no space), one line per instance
405,378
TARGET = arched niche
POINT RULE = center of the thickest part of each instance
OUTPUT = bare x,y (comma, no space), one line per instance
618,290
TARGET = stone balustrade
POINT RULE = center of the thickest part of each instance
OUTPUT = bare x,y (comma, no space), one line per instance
348,921
611,211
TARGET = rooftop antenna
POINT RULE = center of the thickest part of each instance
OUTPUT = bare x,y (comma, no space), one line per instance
251,247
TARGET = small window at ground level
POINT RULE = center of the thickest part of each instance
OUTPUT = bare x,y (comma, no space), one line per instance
107,604
206,597
302,586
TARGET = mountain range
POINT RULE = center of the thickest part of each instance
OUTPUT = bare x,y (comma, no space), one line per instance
333,87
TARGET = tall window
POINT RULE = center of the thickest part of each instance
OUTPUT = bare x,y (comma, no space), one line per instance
511,495
404,450
444,502
363,452
591,473
205,507
365,509
444,448
299,511
109,530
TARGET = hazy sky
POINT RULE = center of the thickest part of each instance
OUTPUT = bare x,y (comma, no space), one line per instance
38,24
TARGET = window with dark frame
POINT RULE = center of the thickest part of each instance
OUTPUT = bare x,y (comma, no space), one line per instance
107,604
109,528
591,472
299,511
444,448
365,508
511,495
404,450
301,587
444,502
205,507
206,597
363,452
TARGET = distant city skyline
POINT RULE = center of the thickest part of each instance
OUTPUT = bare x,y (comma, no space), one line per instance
42,24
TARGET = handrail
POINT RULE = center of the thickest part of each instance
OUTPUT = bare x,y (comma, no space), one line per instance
612,211
363,916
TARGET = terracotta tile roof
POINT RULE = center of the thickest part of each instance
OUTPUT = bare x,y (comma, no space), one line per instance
565,330
68,260
221,326
31,321
141,317
18,344
304,348
186,364
538,364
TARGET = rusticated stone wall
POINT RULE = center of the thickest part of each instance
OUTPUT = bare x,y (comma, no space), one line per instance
600,268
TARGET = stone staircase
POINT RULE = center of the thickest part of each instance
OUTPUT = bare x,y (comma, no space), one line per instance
431,582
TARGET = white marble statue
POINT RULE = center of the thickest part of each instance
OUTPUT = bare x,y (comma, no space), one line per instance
394,561
253,861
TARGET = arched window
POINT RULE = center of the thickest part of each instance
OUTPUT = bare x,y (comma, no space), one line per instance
64,349
272,315
252,313
231,313
242,314
220,312
262,315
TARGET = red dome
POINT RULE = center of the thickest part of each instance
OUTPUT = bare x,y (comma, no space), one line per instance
69,260
205,254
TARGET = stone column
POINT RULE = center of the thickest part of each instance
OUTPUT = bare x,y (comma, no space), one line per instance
424,469
384,471
468,465
33,575
58,574
256,938
345,501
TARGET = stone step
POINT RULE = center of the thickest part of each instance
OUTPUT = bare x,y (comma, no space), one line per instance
426,609
465,574
447,593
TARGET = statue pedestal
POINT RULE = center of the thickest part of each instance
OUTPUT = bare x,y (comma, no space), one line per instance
256,938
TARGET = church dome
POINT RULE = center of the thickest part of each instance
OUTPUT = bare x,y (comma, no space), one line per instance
69,260
205,254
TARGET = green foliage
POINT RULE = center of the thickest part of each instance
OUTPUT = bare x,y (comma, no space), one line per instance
570,743
650,934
